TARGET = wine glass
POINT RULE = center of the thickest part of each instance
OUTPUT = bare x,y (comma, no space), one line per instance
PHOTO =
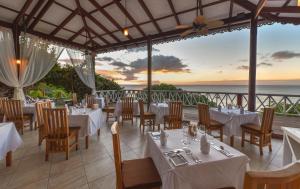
185,131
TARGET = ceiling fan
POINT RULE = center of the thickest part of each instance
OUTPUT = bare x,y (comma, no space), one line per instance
200,25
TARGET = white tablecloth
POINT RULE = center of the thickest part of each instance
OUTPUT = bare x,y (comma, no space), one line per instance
118,109
291,145
10,139
160,110
233,120
89,122
215,171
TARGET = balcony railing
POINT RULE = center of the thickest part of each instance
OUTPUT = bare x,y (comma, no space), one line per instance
284,104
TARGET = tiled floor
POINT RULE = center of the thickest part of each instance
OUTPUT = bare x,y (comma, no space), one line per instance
94,168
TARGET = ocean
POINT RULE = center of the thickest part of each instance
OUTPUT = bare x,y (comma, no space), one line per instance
260,89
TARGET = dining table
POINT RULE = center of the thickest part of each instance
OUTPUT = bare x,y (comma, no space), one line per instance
291,145
89,120
160,110
10,140
216,169
233,119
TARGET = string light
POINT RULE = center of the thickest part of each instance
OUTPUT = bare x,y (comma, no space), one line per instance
18,61
125,32
298,3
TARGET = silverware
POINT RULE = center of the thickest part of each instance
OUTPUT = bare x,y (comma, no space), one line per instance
225,152
195,158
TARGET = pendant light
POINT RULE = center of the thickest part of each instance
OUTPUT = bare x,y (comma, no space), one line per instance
125,30
298,3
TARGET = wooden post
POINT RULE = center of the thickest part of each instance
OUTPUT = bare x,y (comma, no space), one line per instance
239,100
94,66
9,159
149,72
252,65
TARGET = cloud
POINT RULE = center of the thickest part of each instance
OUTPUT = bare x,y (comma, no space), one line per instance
243,67
105,58
220,72
141,49
285,55
264,64
119,64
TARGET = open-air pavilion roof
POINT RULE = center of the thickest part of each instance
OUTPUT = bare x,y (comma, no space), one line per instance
98,24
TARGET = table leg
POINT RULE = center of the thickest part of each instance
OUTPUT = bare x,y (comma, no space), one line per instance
232,140
98,132
9,159
86,142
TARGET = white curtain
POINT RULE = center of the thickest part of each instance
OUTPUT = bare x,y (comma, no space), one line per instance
83,65
37,59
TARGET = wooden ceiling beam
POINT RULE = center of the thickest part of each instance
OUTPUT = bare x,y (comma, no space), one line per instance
99,36
230,13
108,16
93,19
259,8
125,12
281,9
201,7
76,34
149,14
35,9
172,33
174,12
22,12
64,22
284,5
41,14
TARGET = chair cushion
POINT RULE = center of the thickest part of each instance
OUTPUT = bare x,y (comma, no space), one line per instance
251,127
140,173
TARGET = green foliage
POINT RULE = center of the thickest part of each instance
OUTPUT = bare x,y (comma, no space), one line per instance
66,80
164,86
44,90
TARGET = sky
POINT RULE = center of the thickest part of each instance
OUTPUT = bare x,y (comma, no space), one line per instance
214,59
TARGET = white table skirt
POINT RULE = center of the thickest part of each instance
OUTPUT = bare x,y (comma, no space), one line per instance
10,139
215,171
233,120
89,122
118,109
160,110
291,145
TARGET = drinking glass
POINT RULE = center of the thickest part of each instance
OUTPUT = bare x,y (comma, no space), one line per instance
185,131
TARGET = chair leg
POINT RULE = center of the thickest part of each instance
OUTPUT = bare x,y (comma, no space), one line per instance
76,140
47,152
243,138
261,146
98,132
270,147
67,150
221,134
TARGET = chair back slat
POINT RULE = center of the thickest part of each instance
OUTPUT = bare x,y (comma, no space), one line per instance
267,120
90,100
175,115
13,110
203,114
117,154
56,122
2,99
127,108
39,106
141,106
286,178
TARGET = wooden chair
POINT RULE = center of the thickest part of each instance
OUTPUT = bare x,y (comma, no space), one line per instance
174,119
136,173
127,109
74,99
209,124
2,99
108,109
13,111
39,106
58,133
146,116
90,100
287,177
260,135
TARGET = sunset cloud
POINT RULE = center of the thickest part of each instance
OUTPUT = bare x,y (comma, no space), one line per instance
262,64
285,55
141,49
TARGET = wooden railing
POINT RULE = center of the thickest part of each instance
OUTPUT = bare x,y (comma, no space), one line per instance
284,104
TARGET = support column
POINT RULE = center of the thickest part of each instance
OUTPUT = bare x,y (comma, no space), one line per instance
252,65
93,54
16,34
149,72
